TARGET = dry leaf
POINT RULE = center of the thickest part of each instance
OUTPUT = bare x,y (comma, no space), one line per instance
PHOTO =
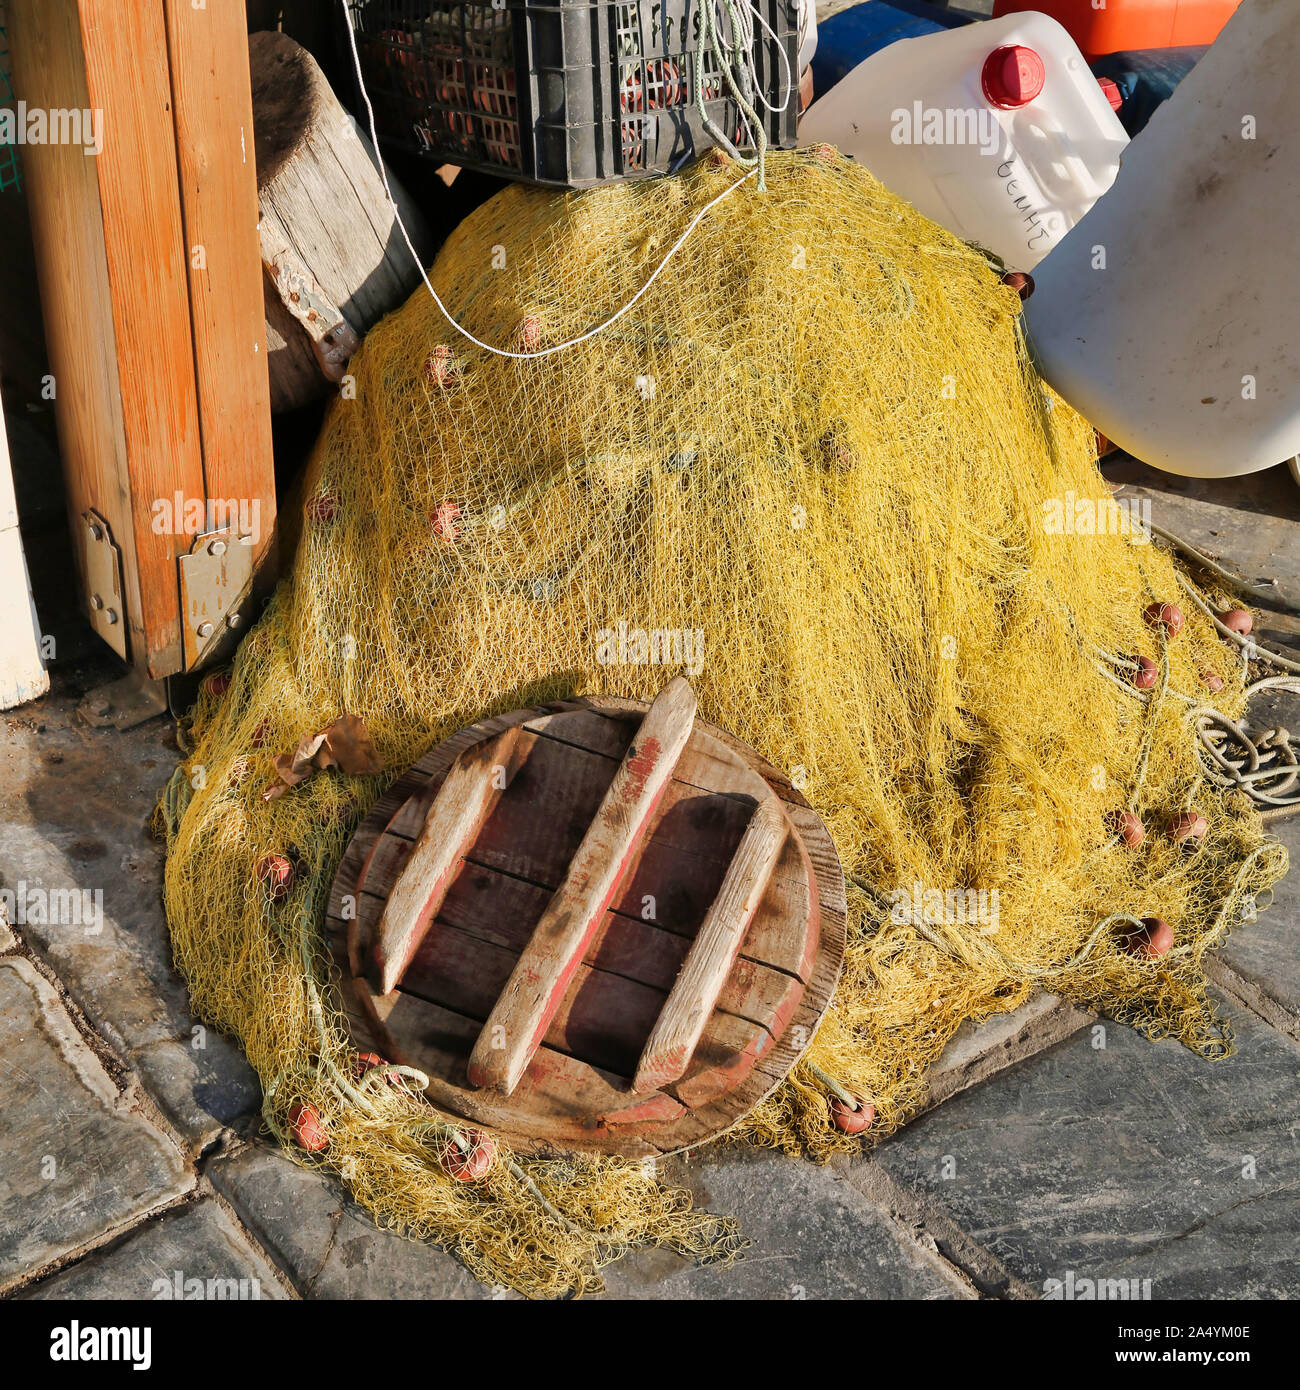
345,744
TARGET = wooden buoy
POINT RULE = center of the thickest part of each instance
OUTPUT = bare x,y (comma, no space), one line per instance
334,259
472,1163
275,874
490,925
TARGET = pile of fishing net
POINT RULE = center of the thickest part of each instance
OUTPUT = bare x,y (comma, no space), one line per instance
817,439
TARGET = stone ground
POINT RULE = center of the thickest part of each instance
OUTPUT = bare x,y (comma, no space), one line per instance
131,1156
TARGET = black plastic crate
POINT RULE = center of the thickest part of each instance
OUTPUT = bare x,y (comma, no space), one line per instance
572,93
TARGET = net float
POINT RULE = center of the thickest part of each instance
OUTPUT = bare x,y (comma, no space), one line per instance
1144,676
445,520
851,1119
1188,828
530,333
472,1163
1211,680
216,684
1019,281
1166,616
1237,620
322,508
439,367
260,734
308,1129
1151,940
365,1062
275,874
1128,826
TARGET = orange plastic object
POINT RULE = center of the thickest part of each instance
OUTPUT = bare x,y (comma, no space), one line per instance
1122,25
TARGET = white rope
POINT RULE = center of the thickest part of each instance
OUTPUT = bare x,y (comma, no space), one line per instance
446,313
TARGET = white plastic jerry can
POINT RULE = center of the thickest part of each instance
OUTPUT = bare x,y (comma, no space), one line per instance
996,130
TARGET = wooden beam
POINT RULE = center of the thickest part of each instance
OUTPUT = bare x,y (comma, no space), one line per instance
473,786
691,1001
519,1022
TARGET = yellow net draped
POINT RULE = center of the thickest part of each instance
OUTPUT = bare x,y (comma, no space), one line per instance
817,450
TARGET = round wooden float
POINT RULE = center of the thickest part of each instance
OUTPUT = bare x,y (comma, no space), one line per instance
614,1046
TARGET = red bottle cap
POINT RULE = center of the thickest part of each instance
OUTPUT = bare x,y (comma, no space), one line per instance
1111,92
1013,76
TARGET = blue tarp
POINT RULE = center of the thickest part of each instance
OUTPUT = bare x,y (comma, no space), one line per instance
850,37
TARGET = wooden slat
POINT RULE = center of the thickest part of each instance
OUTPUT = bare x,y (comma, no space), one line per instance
522,1015
218,182
471,790
704,974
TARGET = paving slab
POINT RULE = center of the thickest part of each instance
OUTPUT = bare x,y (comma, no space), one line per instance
76,1163
813,1234
326,1245
1132,1160
75,804
194,1253
1264,956
980,1050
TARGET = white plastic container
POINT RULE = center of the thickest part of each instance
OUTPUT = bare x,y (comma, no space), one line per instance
996,130
1171,319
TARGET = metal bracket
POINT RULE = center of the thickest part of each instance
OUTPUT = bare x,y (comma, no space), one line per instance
107,610
215,579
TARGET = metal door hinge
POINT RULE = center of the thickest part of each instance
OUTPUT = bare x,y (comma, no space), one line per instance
215,580
107,610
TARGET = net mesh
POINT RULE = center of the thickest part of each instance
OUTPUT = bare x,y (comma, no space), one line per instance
817,451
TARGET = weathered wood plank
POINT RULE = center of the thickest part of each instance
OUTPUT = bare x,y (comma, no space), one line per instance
470,791
218,184
708,965
522,1015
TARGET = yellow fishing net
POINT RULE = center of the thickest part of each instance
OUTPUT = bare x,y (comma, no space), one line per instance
816,447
